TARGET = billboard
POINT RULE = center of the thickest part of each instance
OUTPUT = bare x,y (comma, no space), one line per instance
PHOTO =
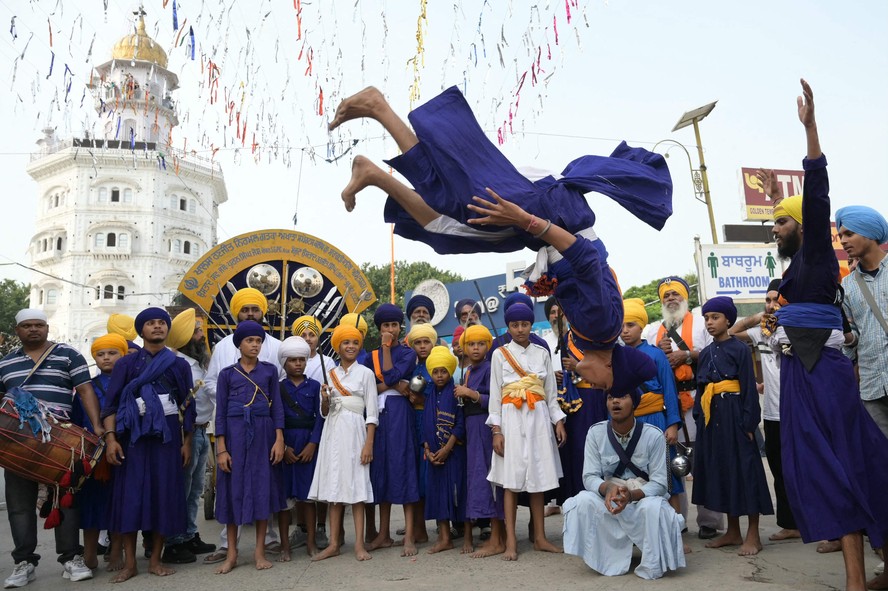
757,205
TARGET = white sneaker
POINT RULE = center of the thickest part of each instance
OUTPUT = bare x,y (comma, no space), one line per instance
76,570
21,575
880,568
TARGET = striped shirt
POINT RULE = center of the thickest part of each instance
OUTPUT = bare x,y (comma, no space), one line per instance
53,382
872,348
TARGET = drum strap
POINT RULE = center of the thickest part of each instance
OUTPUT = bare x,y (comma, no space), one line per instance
38,363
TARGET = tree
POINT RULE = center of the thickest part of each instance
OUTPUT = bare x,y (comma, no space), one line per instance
13,297
648,293
407,277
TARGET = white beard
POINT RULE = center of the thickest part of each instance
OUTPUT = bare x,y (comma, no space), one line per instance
673,319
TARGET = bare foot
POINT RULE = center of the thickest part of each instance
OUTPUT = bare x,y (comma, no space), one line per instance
362,173
285,556
423,539
125,574
550,511
725,540
440,546
311,549
380,542
328,552
467,547
361,554
160,570
785,534
545,545
489,549
510,554
92,563
226,567
362,104
409,548
880,582
749,549
262,563
828,546
687,549
114,564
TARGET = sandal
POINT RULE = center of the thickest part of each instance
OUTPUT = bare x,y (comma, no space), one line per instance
217,556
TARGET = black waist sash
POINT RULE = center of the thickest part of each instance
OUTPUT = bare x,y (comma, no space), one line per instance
302,420
625,455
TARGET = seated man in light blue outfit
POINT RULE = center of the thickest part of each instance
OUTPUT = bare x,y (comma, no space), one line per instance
625,502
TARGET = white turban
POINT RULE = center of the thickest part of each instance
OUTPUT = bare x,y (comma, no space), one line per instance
30,314
293,347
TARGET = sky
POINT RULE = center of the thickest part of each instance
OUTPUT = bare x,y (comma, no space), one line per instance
619,70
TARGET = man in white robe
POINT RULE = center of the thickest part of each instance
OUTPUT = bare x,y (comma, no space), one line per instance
625,501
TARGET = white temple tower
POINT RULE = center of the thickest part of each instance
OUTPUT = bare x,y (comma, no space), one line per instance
120,217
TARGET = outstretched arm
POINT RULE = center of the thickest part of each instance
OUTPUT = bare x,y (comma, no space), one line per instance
500,212
806,116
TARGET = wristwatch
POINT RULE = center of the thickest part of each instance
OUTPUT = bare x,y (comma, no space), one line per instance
690,359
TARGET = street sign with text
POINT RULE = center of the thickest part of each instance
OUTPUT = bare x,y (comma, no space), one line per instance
742,272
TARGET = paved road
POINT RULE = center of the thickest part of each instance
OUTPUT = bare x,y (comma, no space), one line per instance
784,565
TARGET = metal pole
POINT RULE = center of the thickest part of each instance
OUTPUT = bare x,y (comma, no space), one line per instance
705,176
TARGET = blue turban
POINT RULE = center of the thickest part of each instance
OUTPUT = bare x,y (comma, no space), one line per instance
463,303
518,312
722,305
517,297
132,345
247,328
420,301
863,220
631,369
388,313
151,314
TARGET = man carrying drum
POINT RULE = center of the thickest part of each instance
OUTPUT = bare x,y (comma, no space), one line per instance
50,372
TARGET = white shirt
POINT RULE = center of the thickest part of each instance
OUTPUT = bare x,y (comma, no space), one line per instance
533,359
226,354
313,367
361,383
552,341
770,374
699,334
204,403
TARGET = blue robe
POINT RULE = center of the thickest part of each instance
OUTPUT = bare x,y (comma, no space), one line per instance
663,384
394,480
248,419
482,500
422,465
729,476
445,485
94,497
834,455
301,428
148,489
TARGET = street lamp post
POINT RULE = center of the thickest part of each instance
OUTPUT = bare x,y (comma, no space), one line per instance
693,118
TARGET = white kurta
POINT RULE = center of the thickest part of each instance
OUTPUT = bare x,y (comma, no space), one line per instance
531,462
604,541
315,371
339,476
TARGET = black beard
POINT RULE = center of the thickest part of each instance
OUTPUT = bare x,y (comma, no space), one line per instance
197,351
790,246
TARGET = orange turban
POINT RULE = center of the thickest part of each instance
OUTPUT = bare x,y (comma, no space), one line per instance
344,331
109,341
248,296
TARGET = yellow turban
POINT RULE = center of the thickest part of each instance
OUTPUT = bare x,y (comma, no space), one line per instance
418,331
441,357
351,318
248,296
344,331
634,311
673,283
181,329
109,341
123,325
306,322
791,206
475,333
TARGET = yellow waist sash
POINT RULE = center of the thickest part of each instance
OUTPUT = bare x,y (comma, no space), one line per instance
651,403
714,388
528,389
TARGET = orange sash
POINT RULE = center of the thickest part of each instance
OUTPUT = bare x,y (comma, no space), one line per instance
530,397
377,365
337,384
651,403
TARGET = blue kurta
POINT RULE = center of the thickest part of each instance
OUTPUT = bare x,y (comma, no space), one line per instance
834,455
577,424
422,464
301,427
455,160
445,485
149,486
728,473
663,384
248,412
483,501
94,497
394,479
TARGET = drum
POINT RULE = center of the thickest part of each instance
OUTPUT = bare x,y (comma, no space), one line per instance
49,462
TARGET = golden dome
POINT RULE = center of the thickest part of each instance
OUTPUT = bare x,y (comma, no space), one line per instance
140,47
